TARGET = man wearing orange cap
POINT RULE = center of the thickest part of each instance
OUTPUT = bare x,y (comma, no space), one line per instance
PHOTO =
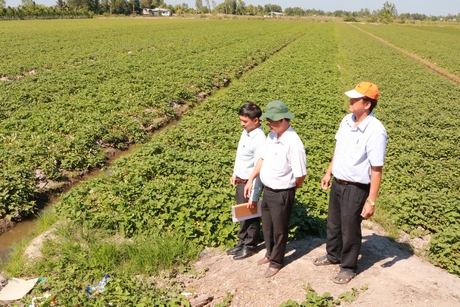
357,169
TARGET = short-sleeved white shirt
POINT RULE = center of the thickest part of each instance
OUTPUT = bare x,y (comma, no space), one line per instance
284,159
357,149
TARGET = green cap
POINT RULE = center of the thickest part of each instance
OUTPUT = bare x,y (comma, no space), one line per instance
277,110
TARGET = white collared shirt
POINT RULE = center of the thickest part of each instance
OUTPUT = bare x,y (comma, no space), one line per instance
284,159
357,149
247,154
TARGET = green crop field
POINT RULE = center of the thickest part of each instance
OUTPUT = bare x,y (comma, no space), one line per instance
107,83
81,86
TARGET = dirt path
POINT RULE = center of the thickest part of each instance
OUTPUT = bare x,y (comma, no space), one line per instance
394,276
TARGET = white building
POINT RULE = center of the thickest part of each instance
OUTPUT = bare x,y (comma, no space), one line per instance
276,14
156,12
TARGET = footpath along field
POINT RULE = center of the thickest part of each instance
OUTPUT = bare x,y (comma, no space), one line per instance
177,183
437,44
70,89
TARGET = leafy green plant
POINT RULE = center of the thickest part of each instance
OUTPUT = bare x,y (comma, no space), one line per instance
227,301
17,193
313,299
325,300
351,296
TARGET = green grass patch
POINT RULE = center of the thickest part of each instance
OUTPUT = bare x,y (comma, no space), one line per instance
75,257
104,252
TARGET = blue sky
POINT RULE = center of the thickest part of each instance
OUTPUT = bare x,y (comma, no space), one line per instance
428,7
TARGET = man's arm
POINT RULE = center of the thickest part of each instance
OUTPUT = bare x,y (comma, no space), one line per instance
376,178
299,181
256,184
255,173
233,180
298,159
326,181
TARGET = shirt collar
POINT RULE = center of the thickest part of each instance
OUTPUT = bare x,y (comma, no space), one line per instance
283,136
254,132
362,125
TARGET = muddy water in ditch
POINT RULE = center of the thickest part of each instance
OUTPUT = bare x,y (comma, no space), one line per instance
13,236
22,229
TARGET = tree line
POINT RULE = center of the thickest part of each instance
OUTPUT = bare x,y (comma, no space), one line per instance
88,8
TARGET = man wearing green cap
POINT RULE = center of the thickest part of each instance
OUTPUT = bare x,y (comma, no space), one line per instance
282,169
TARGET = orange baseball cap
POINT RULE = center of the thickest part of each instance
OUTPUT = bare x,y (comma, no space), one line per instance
366,89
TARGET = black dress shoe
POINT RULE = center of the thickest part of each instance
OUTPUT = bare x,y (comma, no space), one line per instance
234,250
245,253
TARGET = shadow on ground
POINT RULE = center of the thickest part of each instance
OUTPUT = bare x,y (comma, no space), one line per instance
376,248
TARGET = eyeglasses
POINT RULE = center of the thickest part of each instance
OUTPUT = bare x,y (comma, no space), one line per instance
271,122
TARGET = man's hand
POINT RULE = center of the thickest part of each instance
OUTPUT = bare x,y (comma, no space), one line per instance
251,204
299,181
248,189
232,180
326,181
368,210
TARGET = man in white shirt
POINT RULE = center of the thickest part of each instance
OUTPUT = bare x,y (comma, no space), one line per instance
357,169
282,169
247,154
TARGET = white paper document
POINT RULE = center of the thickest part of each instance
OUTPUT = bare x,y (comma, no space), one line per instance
16,289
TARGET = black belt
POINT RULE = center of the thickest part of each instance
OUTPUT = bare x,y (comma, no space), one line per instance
359,184
279,190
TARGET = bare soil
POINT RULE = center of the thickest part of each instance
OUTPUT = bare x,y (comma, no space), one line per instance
389,274
5,225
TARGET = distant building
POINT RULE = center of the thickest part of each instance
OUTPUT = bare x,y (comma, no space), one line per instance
274,14
156,12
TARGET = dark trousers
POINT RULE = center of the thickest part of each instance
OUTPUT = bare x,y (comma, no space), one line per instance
248,234
276,213
344,236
